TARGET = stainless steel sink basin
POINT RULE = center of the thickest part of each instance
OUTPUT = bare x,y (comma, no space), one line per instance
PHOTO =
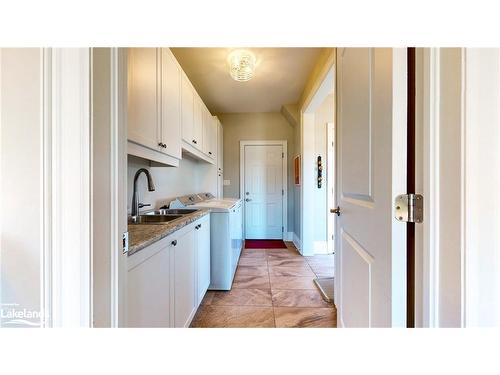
153,219
172,211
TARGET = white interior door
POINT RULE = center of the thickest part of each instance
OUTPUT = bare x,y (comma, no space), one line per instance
263,191
371,244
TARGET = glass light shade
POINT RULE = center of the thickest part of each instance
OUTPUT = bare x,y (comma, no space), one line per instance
241,65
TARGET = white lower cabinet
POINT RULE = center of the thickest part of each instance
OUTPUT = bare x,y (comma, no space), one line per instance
202,233
184,279
148,287
168,279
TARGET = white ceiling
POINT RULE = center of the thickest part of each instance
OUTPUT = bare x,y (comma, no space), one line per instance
280,77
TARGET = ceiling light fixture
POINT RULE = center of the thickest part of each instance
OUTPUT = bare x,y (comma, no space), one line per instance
241,65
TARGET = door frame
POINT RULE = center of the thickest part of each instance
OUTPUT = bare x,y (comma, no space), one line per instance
109,281
67,212
331,180
284,160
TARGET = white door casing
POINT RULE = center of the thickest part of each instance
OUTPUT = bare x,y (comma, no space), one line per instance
457,247
371,170
263,189
330,181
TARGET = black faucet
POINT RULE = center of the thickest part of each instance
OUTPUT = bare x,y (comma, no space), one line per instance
151,187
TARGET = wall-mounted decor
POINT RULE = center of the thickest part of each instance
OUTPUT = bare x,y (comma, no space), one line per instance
320,172
296,169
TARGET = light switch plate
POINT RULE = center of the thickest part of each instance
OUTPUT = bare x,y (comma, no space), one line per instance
227,182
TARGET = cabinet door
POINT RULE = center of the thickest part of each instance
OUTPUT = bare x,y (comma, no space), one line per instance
220,147
213,136
184,280
203,258
148,291
187,109
143,110
197,140
207,124
220,185
171,105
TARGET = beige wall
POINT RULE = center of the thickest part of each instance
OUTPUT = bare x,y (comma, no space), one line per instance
325,61
255,126
170,182
21,204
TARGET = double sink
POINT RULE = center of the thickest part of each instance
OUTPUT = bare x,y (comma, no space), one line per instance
161,216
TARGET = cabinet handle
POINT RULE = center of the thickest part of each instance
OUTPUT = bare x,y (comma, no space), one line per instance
174,243
162,145
209,152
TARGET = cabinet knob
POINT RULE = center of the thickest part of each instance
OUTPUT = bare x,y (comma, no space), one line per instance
174,243
194,141
209,152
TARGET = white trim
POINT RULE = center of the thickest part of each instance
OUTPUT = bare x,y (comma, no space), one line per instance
119,74
70,263
330,182
428,238
296,241
282,143
46,259
288,236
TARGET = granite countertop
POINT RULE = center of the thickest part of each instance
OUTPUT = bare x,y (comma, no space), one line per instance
143,235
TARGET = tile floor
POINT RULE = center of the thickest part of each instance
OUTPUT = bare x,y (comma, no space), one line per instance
271,288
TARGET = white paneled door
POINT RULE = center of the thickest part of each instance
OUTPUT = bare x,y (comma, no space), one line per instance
371,149
263,191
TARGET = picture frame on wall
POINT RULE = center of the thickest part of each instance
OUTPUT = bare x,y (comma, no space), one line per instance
296,169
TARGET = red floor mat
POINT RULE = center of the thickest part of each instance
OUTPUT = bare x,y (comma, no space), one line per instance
264,244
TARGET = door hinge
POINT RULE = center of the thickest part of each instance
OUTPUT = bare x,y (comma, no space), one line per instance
282,191
409,208
282,155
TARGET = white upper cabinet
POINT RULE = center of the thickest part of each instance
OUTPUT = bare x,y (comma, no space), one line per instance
219,141
154,105
197,141
187,105
143,114
171,104
209,134
165,113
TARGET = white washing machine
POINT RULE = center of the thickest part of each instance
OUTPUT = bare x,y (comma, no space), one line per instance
226,235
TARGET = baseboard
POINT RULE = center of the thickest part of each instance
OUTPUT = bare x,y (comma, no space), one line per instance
288,236
320,247
296,241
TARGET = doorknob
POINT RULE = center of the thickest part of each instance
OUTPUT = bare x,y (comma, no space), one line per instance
335,210
247,200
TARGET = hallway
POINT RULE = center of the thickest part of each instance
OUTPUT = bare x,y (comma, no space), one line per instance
272,288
